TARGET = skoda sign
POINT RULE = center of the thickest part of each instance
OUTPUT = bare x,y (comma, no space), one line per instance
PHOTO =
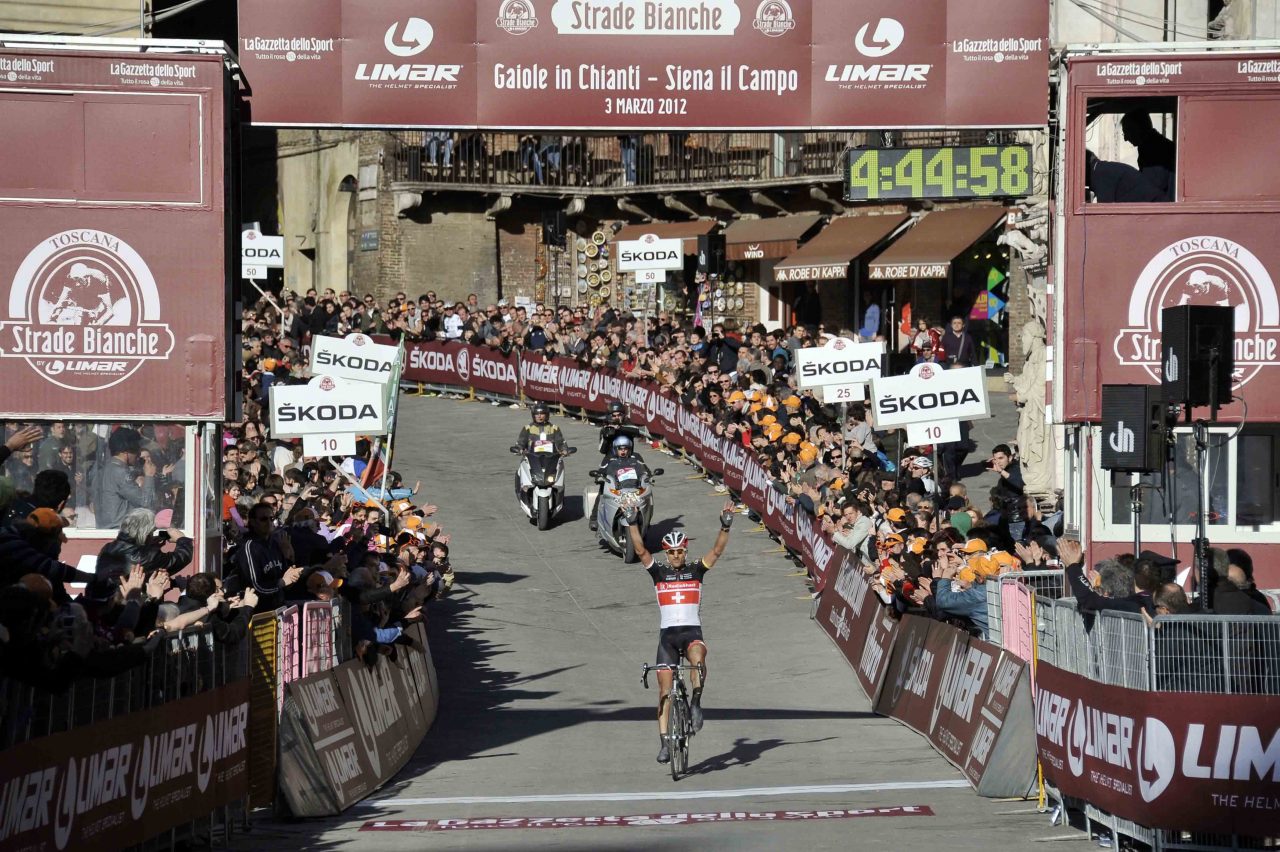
930,393
354,357
650,252
840,362
325,406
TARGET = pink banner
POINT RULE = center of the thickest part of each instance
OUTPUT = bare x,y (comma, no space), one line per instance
1017,619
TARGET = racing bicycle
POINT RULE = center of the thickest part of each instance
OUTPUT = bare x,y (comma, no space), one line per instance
679,717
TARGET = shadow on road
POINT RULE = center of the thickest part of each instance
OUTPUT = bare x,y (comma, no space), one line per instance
744,753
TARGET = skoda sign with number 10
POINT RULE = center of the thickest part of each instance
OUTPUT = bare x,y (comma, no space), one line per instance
325,406
930,393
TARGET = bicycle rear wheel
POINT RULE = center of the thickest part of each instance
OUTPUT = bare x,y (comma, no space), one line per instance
676,736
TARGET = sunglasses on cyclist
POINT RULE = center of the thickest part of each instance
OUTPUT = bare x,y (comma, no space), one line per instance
677,551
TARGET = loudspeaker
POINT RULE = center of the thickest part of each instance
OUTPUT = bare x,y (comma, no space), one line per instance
553,228
711,253
1190,333
1133,428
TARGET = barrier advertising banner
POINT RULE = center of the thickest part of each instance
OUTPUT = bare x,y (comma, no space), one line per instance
114,784
1160,758
344,732
601,64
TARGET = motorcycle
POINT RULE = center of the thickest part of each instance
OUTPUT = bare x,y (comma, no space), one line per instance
540,482
614,499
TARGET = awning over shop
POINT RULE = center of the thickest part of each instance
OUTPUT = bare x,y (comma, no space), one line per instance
687,231
827,256
926,251
754,239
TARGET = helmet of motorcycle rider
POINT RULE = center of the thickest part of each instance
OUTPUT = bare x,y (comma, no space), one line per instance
675,540
617,412
543,409
620,443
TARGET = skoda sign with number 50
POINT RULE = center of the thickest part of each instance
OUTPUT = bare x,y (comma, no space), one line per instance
325,406
930,392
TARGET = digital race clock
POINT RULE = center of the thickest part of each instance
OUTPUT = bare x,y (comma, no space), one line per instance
981,171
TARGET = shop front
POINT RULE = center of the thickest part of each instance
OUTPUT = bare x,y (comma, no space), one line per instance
753,247
947,265
831,264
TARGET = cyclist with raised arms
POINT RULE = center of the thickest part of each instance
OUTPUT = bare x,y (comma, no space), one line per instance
678,585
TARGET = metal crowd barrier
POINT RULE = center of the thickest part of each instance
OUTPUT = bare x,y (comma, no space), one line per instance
187,663
1044,583
1222,654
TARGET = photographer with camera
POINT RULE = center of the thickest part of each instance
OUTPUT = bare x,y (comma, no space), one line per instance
1009,490
140,542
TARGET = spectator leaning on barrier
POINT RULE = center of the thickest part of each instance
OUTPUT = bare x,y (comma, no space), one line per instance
263,562
140,542
1116,587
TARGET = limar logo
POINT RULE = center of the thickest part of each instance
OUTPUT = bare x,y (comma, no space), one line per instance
1157,758
886,38
517,17
1203,270
84,311
774,18
417,37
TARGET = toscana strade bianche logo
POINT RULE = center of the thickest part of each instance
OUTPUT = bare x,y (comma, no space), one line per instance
774,18
1204,271
84,311
517,17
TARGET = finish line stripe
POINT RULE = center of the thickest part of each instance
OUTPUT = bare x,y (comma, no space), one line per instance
668,795
499,823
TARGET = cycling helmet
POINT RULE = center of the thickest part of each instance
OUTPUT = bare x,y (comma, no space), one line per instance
540,408
675,540
623,441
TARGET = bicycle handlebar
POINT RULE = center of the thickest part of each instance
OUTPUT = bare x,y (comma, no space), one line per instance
647,667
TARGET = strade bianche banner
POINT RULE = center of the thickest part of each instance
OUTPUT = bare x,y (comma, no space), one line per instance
601,64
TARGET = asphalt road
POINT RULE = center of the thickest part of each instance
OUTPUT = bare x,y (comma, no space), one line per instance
543,715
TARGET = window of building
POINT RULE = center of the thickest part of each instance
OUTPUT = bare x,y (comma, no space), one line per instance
1243,493
1131,150
80,450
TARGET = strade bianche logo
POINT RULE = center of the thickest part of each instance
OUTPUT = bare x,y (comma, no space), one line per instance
517,17
774,18
84,311
1204,271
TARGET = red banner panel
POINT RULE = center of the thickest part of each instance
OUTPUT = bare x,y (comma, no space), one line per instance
114,212
1172,760
640,64
117,783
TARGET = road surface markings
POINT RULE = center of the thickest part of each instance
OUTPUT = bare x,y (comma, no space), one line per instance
668,795
489,823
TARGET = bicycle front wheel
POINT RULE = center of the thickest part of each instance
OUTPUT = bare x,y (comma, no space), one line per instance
675,735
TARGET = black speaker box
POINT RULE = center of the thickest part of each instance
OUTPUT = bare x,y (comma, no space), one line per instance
1190,334
553,228
711,254
1133,428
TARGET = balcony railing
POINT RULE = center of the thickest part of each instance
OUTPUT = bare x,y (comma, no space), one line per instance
496,160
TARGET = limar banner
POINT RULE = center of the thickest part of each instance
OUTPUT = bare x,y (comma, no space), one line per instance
636,64
117,783
1174,760
344,732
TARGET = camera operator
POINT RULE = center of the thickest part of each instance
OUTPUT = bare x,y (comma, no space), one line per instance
1009,490
141,542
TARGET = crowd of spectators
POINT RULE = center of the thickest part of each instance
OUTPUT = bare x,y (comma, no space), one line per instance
312,529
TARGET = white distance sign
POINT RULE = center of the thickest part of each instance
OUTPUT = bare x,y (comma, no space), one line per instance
327,406
355,357
929,393
318,446
650,252
840,368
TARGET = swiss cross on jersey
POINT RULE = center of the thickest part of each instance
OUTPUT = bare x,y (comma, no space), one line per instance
679,593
